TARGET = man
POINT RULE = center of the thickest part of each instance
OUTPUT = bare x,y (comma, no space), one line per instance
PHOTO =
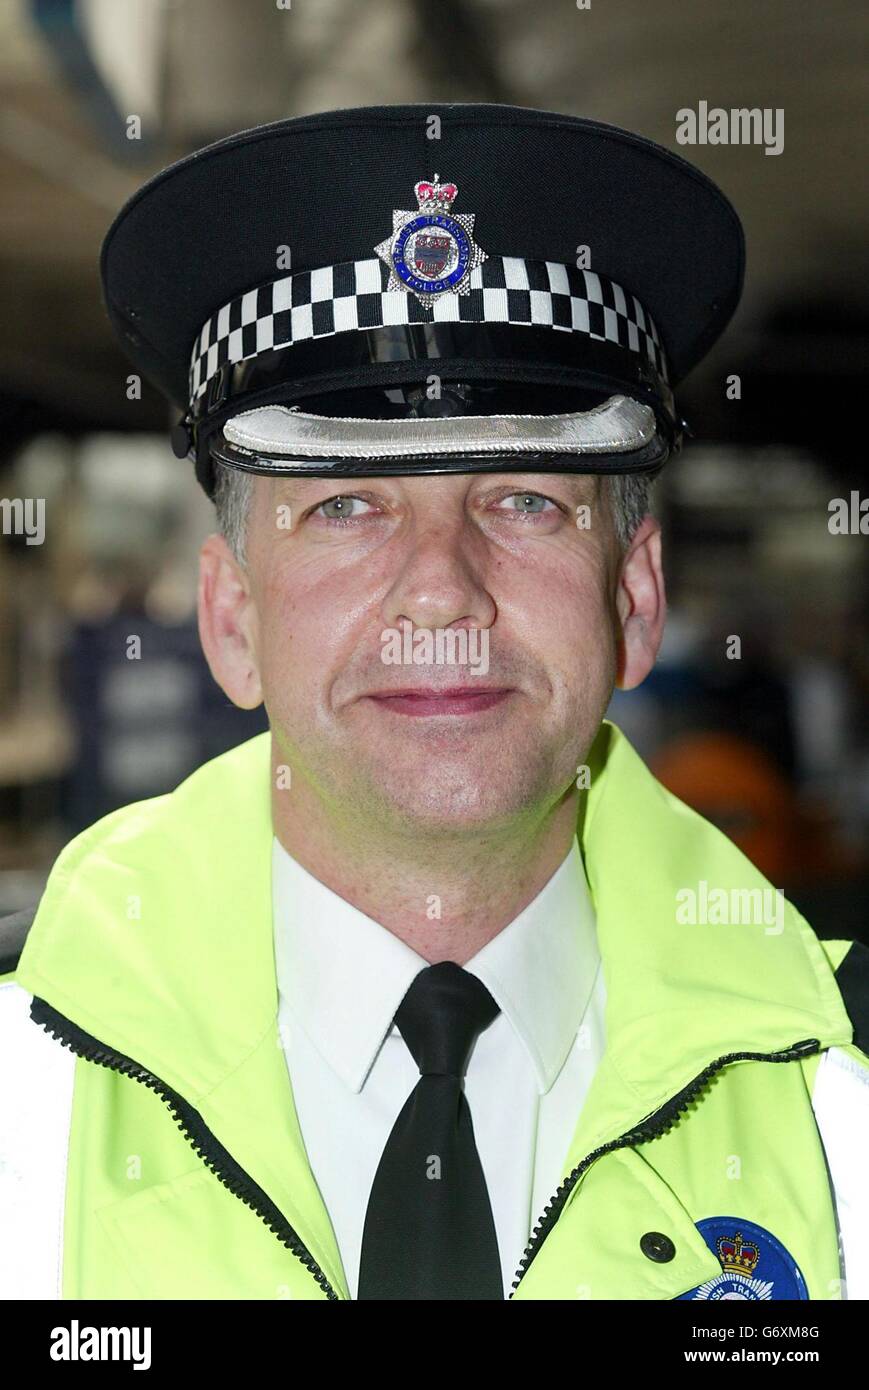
420,996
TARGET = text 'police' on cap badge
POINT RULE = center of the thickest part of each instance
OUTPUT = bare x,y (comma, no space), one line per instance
431,251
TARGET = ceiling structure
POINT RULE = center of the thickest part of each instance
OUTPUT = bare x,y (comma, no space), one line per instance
72,75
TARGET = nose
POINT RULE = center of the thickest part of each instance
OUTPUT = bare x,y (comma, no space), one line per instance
439,583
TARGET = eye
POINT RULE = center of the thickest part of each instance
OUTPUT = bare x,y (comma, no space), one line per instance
345,507
528,503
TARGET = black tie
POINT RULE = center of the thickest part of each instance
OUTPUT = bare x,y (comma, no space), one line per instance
429,1230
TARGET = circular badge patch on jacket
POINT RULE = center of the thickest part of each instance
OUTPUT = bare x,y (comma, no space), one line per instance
754,1265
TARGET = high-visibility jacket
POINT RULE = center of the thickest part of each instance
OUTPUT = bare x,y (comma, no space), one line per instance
149,1144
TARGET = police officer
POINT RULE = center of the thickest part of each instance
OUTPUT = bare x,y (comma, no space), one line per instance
433,991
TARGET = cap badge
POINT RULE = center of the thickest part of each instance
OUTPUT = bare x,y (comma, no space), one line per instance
431,251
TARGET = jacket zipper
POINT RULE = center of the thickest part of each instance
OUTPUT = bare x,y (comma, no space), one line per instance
653,1125
241,1185
190,1122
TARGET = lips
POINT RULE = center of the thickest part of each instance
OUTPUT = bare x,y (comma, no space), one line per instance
455,700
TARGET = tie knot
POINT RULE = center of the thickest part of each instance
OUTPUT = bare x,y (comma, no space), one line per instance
440,1016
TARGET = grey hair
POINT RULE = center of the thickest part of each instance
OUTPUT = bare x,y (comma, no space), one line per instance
628,495
232,494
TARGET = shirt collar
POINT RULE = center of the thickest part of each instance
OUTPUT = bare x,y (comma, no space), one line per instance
540,968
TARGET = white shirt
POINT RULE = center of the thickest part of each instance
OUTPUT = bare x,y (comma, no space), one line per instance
341,977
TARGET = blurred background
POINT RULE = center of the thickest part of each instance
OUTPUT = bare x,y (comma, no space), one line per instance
756,711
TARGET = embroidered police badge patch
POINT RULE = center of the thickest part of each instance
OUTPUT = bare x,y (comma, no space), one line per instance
431,251
754,1265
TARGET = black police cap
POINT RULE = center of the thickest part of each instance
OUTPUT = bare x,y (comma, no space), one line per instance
402,289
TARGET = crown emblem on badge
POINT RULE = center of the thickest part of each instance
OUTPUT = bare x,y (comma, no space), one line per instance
737,1256
432,251
435,194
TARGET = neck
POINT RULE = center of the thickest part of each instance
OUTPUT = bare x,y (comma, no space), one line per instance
444,896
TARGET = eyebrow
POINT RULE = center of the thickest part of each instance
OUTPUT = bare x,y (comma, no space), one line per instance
290,480
577,481
291,485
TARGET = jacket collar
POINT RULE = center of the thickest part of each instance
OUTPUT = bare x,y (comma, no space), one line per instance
683,986
691,976
155,936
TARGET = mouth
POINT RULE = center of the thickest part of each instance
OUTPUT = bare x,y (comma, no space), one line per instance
451,700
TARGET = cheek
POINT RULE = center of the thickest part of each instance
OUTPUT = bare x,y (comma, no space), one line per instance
286,628
560,609
309,618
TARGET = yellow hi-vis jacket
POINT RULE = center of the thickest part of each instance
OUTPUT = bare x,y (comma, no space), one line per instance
149,1144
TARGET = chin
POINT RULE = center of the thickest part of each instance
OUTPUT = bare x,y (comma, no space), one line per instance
451,799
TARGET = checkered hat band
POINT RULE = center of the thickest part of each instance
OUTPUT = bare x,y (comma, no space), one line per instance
353,296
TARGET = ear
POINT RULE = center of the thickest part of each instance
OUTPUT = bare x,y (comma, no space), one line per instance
641,604
228,623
